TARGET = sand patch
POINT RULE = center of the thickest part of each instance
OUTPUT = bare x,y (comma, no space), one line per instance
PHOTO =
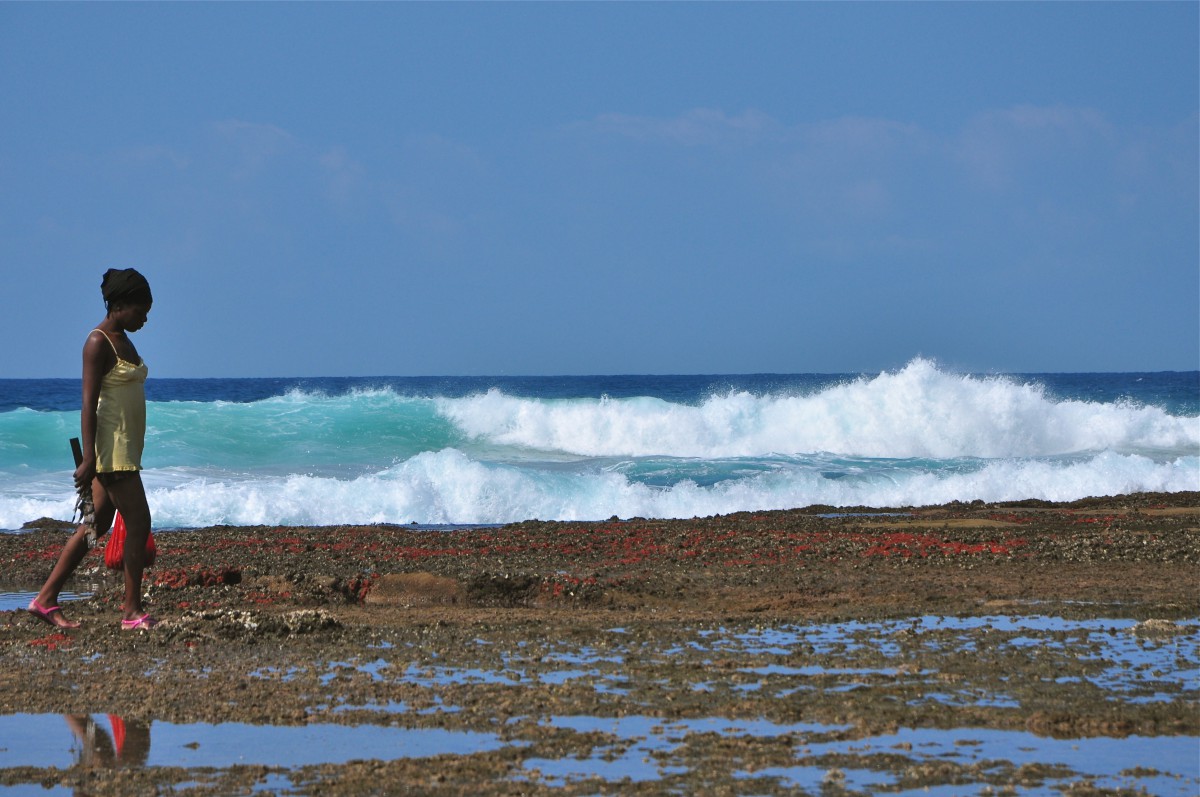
414,589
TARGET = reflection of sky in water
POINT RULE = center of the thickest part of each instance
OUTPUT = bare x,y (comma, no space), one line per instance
638,739
642,748
1129,667
1133,668
45,740
18,600
1136,664
36,790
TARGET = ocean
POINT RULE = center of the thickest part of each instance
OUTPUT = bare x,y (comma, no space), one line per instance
487,450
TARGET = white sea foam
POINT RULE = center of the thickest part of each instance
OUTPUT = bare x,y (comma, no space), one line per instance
449,487
919,411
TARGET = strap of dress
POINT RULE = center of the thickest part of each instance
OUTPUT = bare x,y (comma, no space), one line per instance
110,343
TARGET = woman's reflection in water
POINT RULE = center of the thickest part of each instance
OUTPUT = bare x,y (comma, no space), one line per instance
128,744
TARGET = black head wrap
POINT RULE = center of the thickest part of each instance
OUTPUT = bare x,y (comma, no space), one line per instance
124,283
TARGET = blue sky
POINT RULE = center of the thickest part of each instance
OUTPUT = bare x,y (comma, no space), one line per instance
550,188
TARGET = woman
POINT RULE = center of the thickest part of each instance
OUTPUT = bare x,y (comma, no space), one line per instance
113,425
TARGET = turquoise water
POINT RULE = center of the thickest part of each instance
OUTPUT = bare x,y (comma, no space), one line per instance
495,450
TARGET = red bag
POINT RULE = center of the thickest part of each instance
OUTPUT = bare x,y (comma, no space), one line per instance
114,551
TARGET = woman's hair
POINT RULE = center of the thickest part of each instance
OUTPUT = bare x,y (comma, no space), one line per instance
125,285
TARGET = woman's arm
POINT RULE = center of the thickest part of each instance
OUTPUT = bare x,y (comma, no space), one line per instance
97,361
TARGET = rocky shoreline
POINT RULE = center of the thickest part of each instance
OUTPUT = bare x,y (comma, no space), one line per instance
501,630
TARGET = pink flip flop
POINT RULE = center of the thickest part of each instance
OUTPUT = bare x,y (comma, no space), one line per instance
46,615
143,623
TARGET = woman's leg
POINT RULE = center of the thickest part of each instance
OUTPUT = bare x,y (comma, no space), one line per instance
72,554
129,497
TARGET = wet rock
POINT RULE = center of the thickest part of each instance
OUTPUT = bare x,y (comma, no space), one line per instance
193,576
247,624
487,589
49,524
1157,627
